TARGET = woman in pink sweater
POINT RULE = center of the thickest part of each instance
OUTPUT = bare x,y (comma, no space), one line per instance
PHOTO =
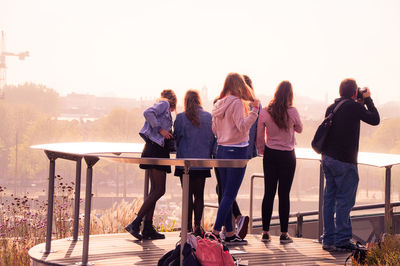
231,122
278,122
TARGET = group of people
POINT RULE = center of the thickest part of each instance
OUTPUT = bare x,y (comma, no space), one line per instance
239,128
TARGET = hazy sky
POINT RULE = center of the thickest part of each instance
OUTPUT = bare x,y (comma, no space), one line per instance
137,48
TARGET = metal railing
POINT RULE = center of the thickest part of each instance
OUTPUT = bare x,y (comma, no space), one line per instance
300,215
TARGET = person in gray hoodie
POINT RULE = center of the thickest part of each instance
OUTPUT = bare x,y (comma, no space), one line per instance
231,122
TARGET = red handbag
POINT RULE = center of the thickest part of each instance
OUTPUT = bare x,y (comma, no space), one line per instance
211,252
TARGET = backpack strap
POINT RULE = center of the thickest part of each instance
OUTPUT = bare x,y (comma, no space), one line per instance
339,104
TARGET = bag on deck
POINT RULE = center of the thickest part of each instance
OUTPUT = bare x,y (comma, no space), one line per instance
212,253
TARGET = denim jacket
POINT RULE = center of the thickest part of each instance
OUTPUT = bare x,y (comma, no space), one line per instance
158,116
194,141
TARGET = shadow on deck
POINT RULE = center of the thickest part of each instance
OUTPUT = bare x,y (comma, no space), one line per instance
121,249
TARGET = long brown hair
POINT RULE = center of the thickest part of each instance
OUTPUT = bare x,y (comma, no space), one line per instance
192,104
278,107
235,85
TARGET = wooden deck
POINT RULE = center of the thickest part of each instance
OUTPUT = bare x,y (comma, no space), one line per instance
122,249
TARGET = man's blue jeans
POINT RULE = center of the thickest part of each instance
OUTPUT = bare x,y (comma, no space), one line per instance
231,179
339,196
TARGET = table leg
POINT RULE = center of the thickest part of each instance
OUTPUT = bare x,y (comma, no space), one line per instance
90,161
77,198
388,208
185,205
50,202
146,184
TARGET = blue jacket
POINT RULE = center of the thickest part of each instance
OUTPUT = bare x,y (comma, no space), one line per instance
251,149
158,116
194,141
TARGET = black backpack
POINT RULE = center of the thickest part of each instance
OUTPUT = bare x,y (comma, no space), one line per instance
172,258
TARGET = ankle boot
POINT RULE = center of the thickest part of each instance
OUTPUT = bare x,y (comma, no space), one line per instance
149,232
134,228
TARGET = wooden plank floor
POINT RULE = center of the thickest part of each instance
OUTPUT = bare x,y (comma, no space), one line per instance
122,249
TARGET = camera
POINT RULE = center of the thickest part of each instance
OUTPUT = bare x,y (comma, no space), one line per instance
360,93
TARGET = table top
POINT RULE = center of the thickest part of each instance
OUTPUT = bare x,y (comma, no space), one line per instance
129,153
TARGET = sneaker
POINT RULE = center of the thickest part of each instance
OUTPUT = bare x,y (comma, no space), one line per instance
242,226
216,236
150,233
134,229
222,235
234,240
349,247
328,247
285,238
266,237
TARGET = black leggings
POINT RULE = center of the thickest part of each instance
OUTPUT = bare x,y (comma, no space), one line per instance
235,207
196,199
157,190
279,167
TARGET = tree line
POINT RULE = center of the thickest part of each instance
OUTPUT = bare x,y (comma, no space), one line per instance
28,115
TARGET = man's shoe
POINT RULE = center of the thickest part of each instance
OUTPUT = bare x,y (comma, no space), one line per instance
349,247
242,226
150,233
266,237
329,248
134,229
285,239
234,240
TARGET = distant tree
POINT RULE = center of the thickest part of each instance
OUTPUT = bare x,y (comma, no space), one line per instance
386,137
120,125
43,98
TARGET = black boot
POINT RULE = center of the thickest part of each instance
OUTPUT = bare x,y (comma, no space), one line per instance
149,232
134,228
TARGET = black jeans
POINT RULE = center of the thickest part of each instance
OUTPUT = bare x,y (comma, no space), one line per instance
279,167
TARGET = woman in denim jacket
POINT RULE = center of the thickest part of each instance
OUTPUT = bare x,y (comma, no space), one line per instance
157,133
194,139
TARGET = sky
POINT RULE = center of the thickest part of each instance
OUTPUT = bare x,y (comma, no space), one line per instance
138,48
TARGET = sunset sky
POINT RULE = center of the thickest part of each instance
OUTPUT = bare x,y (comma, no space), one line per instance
137,48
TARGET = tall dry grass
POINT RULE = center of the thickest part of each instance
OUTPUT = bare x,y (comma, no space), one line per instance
23,221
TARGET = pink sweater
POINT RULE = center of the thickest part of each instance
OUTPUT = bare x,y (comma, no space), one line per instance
229,123
276,138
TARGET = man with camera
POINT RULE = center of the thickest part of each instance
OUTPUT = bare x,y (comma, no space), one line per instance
339,162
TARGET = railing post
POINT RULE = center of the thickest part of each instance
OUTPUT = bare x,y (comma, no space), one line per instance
50,201
77,198
320,203
185,205
251,205
388,208
299,226
146,184
90,161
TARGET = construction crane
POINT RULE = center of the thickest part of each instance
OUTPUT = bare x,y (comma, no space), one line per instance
3,65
